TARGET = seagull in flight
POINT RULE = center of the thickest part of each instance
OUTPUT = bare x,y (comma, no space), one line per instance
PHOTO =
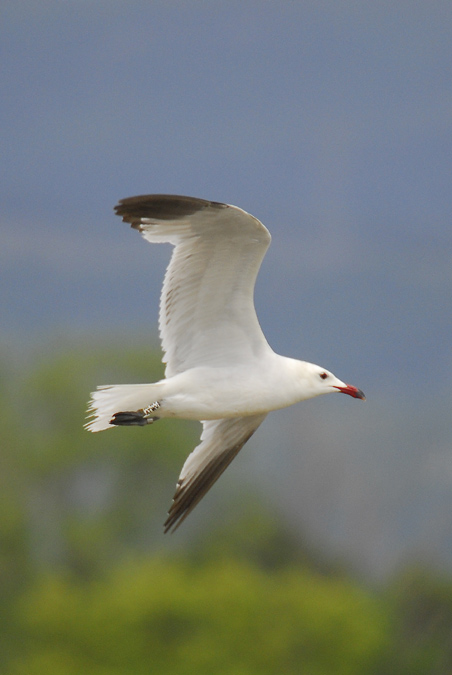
220,369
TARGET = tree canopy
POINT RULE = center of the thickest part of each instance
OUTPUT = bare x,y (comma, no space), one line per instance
89,584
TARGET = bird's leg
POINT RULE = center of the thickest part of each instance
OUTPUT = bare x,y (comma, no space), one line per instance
138,418
151,408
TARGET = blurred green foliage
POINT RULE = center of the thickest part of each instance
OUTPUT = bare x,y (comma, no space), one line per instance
164,616
88,583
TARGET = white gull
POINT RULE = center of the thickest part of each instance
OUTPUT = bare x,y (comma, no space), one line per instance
220,368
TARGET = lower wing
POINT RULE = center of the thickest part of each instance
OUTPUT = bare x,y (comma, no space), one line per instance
221,441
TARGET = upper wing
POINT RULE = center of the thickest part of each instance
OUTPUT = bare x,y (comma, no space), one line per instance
207,314
221,440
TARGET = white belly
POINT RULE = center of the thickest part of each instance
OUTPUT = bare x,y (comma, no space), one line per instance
216,393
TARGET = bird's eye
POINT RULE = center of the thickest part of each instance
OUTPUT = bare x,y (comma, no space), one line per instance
323,376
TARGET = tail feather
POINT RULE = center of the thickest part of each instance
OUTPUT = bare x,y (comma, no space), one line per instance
113,398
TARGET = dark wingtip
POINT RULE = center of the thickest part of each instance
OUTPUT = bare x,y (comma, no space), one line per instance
160,207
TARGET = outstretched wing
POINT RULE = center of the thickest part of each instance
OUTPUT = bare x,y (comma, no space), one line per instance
221,440
207,315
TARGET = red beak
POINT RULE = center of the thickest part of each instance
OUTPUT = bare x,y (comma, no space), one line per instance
352,391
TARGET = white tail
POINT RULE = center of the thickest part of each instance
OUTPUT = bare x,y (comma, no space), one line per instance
112,398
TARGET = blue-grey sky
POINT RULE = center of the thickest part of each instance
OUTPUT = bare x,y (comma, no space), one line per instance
330,120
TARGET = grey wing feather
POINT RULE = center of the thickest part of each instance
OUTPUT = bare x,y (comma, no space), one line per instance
207,314
221,441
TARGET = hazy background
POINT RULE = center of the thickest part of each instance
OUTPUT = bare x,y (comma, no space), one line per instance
329,121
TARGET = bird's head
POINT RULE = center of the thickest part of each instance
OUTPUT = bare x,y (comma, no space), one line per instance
324,382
